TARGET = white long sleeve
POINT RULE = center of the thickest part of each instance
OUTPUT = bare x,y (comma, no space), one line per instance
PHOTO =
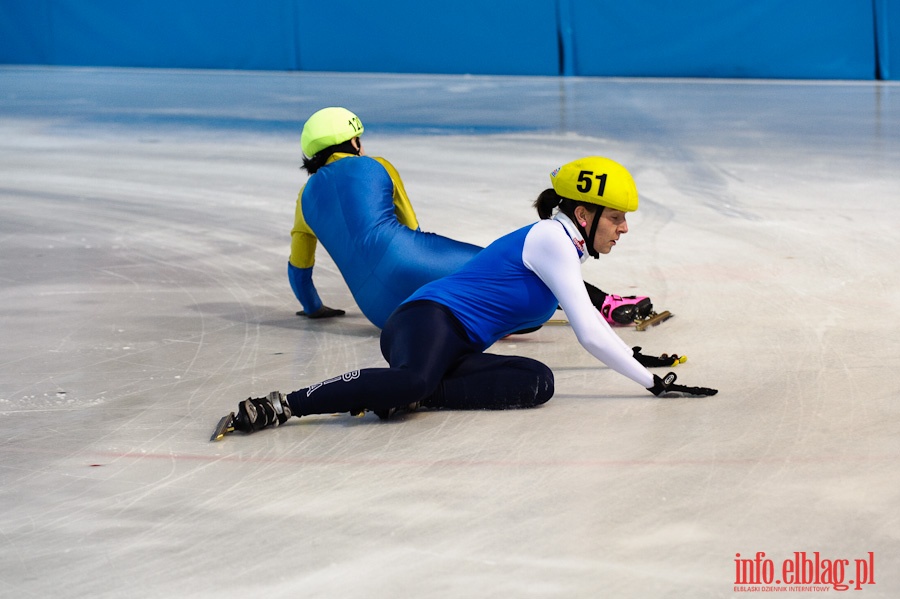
550,253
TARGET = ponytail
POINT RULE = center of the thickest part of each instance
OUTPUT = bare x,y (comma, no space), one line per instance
546,202
550,200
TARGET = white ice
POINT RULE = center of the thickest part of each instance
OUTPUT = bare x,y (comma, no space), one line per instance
144,232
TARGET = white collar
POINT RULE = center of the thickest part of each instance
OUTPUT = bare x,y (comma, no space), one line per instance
574,235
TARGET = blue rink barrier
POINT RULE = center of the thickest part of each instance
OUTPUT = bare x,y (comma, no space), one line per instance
796,39
807,39
197,34
887,31
510,37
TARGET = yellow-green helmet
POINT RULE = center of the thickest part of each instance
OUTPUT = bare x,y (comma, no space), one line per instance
329,127
596,180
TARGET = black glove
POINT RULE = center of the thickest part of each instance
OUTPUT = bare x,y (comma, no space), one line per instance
665,386
663,361
323,312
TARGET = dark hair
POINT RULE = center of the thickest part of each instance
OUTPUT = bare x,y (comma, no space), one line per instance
314,163
549,199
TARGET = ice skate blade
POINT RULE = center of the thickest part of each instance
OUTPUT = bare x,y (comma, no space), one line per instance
652,320
225,426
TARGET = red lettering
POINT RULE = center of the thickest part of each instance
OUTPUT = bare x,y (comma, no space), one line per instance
787,572
767,568
744,571
865,571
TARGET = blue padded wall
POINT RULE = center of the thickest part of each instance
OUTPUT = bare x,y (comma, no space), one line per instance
828,39
724,38
25,36
887,13
149,33
513,37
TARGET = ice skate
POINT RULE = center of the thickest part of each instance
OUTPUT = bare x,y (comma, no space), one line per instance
225,426
652,319
624,311
630,310
255,414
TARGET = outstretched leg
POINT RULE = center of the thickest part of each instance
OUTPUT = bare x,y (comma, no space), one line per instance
421,341
432,362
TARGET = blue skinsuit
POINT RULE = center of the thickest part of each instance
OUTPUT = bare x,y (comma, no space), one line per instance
357,208
496,293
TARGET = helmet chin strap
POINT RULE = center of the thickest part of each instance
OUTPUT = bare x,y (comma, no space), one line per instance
590,236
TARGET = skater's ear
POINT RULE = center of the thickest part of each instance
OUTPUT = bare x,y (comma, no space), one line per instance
582,213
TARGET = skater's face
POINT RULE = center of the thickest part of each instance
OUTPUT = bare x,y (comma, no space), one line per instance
356,142
612,225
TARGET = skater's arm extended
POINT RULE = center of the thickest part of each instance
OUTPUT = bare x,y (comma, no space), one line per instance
551,255
554,259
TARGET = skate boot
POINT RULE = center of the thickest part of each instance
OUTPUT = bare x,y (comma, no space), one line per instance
623,311
258,413
386,414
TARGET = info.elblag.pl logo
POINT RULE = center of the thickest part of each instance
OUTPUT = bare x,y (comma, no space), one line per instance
802,572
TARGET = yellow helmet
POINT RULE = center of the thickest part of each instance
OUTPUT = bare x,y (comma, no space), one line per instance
596,180
329,127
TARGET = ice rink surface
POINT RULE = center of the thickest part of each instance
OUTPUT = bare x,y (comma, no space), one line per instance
144,233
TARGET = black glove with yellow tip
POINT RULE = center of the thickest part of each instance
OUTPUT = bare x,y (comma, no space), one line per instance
663,361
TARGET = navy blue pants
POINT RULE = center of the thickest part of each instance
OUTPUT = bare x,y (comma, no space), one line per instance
432,362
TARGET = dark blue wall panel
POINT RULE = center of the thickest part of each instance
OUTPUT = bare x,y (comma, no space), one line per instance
887,14
25,36
724,38
411,36
829,39
150,33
